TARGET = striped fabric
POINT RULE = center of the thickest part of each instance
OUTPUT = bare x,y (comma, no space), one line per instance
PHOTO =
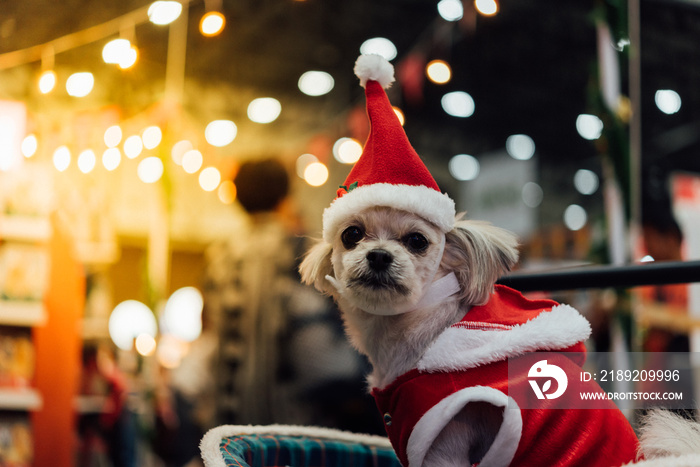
266,450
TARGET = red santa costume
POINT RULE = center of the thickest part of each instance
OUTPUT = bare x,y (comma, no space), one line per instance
469,362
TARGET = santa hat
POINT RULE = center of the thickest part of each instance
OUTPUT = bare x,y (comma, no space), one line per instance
389,173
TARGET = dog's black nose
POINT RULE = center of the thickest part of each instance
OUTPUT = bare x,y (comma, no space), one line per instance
379,260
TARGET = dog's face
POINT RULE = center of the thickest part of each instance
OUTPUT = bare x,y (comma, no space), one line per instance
383,258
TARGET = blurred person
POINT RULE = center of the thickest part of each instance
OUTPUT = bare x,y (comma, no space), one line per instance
282,354
114,424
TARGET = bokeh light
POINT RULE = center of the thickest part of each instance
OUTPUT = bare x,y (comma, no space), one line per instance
532,194
150,169
128,320
151,137
264,110
463,167
347,150
61,158
47,81
179,149
450,10
212,23
380,46
486,7
111,158
80,84
86,161
182,315
164,12
316,174
520,147
192,161
589,126
220,133
113,136
303,162
586,181
575,217
458,104
209,178
438,71
227,192
316,83
668,101
133,146
29,146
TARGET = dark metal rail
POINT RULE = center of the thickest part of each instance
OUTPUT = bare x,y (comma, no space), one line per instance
599,277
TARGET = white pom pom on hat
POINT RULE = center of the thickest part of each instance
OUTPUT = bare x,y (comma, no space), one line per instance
375,68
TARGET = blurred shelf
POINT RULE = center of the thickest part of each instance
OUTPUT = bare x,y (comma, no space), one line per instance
25,228
22,312
20,399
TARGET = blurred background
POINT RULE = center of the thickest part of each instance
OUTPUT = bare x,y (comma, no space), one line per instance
148,245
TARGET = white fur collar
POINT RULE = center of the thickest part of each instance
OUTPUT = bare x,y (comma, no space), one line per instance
463,347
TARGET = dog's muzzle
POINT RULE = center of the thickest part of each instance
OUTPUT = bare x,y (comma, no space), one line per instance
379,261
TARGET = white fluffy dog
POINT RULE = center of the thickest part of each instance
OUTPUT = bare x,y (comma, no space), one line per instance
415,285
381,262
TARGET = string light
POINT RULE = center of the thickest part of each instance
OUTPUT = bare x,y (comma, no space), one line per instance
86,161
486,7
150,170
29,146
316,83
220,133
151,137
192,161
438,71
111,158
227,192
305,160
209,178
399,114
347,150
164,12
61,158
264,110
133,146
47,81
212,23
316,174
80,84
113,136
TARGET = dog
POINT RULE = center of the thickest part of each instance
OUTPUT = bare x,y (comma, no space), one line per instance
382,263
416,286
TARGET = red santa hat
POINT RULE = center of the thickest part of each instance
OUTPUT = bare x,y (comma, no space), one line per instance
389,172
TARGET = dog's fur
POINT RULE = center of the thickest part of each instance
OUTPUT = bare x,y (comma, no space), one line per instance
476,252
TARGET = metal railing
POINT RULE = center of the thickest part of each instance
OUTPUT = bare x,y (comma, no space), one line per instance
586,277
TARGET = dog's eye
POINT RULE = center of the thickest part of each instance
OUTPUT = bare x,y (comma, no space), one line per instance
352,236
416,242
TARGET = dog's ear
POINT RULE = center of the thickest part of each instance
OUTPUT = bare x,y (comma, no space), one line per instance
316,266
479,253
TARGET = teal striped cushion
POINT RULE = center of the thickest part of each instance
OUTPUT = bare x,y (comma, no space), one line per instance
265,450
